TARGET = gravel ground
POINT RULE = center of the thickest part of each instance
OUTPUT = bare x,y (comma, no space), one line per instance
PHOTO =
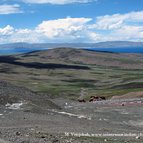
24,119
19,125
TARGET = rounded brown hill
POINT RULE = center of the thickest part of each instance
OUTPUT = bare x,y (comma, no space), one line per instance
84,57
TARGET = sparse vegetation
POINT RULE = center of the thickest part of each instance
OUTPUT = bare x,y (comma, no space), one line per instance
42,85
107,74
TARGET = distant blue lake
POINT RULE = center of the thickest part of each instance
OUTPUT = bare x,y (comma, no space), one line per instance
118,50
11,51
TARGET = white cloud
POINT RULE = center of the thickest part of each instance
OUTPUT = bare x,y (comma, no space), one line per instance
60,2
105,28
116,21
9,35
62,28
10,9
8,30
130,32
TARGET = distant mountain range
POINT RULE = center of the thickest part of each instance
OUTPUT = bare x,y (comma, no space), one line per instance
110,46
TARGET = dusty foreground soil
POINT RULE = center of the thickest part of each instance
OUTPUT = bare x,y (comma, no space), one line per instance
108,121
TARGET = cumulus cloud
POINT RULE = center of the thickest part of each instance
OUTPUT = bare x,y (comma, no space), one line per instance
129,32
8,30
120,26
59,2
104,28
62,28
12,35
109,22
10,9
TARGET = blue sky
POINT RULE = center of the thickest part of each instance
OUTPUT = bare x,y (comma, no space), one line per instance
44,21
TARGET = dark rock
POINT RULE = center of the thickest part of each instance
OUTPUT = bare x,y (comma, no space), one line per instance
18,133
55,141
43,137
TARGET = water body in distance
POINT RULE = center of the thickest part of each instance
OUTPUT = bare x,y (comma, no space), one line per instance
118,50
